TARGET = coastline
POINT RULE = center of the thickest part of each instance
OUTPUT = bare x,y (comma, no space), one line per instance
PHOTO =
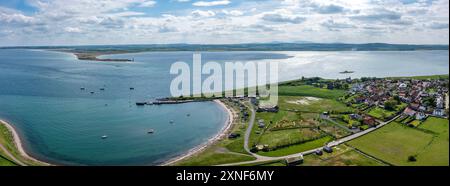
198,149
18,144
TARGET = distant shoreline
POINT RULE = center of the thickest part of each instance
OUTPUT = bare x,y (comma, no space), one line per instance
93,56
222,133
18,144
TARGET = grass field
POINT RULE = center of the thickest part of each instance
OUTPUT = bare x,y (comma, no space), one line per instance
6,162
311,104
214,156
298,148
380,113
395,143
342,156
306,90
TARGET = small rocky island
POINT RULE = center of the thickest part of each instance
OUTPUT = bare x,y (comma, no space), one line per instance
94,57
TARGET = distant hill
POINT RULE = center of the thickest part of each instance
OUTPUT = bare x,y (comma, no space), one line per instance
242,47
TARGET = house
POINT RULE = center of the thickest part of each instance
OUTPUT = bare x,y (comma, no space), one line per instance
328,149
410,112
439,112
421,116
414,106
234,136
355,116
261,123
293,161
273,109
370,121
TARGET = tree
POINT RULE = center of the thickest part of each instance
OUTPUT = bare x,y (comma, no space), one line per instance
412,159
390,105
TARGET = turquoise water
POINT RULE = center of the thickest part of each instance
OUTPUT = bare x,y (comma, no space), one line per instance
40,95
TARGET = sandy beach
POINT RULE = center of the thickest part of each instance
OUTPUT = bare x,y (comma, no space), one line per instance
223,133
18,143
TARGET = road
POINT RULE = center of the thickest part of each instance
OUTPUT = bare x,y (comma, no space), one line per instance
248,132
261,159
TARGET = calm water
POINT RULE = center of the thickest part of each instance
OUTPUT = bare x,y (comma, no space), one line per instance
40,94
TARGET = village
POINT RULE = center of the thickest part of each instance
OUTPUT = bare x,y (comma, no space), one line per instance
383,99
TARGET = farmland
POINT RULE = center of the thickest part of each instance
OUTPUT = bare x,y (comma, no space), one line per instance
401,145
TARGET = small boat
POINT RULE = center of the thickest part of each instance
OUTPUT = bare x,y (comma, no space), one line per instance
141,103
347,72
131,88
82,88
151,131
171,121
92,92
188,115
104,137
102,89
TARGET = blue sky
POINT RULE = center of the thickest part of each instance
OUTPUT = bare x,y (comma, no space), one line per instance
79,22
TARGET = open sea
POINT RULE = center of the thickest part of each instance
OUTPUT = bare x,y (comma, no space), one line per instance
40,95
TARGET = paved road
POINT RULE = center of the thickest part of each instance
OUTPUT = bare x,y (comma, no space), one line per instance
11,156
248,133
261,159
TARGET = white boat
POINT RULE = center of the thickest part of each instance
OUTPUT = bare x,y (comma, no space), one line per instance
104,137
151,131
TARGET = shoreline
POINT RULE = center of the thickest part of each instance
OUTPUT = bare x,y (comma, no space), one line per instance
18,144
198,149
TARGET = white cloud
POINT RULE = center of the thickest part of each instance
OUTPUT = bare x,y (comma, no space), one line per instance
73,30
125,21
201,13
211,3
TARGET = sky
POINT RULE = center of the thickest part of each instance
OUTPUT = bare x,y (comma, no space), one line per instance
97,22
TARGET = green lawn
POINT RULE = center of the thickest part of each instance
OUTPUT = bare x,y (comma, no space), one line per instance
380,113
311,104
286,137
311,91
395,143
298,148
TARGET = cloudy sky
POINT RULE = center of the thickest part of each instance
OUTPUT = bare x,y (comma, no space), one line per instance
79,22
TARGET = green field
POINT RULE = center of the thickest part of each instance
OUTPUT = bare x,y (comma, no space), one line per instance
380,113
342,156
307,90
311,104
396,143
298,148
6,162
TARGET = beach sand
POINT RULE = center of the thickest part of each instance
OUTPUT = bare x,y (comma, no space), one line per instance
223,133
18,144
